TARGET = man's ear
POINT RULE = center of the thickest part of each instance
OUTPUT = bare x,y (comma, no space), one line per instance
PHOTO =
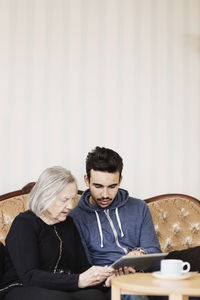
86,180
120,180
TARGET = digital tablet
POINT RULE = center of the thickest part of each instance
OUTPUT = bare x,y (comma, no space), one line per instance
138,262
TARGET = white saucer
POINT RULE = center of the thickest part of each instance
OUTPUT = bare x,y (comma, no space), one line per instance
171,277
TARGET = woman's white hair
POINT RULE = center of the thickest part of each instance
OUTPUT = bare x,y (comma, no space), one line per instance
51,182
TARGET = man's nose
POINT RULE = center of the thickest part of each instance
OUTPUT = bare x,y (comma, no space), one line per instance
105,193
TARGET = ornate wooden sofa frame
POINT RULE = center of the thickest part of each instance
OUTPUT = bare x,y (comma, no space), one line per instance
176,217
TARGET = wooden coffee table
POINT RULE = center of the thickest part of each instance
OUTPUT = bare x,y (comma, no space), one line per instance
147,284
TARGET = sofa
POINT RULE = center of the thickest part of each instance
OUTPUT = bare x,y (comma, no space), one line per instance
176,217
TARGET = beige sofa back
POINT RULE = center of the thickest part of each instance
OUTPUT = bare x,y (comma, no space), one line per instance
176,217
176,220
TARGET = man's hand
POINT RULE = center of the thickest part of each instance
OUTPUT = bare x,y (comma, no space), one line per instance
124,271
94,276
136,252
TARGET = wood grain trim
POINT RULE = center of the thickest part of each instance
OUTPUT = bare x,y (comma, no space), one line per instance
168,196
25,190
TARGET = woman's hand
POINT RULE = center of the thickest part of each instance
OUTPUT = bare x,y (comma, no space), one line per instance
94,276
118,272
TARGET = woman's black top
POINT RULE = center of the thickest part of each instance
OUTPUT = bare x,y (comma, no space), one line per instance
48,256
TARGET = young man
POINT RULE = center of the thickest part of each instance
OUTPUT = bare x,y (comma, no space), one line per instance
111,223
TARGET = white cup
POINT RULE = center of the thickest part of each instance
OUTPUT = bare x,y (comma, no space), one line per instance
174,266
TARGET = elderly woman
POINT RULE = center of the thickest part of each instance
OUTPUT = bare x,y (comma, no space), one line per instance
44,256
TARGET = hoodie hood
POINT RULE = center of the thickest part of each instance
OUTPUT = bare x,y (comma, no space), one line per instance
120,200
107,234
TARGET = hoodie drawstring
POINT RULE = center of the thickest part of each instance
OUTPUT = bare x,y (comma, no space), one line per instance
100,228
119,222
112,226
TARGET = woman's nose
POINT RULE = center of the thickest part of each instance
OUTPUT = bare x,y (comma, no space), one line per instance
70,204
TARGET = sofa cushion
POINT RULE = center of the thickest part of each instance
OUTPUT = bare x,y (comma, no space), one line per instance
176,219
9,209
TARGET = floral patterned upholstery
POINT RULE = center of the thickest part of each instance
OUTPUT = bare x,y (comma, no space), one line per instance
11,204
176,220
9,209
176,217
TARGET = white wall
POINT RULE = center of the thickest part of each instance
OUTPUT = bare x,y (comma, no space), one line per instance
123,74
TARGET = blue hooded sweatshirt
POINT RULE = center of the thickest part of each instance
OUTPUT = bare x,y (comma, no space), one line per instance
108,234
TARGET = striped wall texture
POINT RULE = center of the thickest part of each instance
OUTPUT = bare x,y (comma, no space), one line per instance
123,74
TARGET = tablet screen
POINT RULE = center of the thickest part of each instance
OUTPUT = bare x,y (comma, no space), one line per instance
138,262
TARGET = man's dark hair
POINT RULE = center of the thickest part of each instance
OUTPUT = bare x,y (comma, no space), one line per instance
104,160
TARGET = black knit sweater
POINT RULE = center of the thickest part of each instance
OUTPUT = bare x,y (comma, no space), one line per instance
32,254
